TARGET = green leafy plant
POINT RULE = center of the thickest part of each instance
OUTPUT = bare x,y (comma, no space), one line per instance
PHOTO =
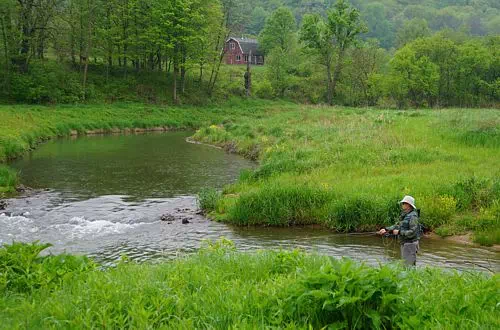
23,269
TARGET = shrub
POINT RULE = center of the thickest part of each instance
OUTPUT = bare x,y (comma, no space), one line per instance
264,90
22,269
48,82
346,295
437,210
474,193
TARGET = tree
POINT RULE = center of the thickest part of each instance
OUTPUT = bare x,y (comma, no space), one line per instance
278,39
257,20
379,26
279,31
330,39
411,30
414,78
362,74
232,16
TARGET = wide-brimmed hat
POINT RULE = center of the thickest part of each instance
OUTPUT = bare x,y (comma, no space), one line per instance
409,200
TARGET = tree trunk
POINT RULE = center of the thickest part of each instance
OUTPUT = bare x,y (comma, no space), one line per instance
120,64
336,73
5,42
81,49
183,70
217,46
25,40
329,83
216,75
176,71
248,77
159,59
200,79
72,46
87,50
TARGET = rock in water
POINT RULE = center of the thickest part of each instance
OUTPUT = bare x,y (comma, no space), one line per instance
185,221
21,188
3,205
167,217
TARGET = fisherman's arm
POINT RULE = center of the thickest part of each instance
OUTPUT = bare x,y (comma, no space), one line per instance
388,229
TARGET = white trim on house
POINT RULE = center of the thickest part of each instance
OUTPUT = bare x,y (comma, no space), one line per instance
236,42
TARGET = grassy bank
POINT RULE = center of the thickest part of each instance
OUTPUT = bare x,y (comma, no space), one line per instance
224,289
340,167
347,168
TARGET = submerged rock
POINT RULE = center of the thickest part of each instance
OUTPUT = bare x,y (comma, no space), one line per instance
3,205
185,221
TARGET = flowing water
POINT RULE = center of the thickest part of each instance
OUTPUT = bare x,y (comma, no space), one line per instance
104,196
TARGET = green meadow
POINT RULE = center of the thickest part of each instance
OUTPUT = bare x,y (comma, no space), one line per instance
343,168
220,288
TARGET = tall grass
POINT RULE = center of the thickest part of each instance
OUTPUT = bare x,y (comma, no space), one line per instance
365,160
8,180
221,288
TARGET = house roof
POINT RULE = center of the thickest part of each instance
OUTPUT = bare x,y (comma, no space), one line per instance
248,45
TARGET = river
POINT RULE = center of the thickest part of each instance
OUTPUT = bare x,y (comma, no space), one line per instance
104,196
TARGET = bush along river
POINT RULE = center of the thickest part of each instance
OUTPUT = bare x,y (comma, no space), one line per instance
134,195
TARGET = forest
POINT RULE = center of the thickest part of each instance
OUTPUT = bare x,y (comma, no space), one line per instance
361,53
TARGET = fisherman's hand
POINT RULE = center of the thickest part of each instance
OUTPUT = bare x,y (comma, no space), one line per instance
395,231
382,231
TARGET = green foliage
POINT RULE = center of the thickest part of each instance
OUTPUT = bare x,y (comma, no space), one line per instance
346,295
474,193
221,288
361,213
264,90
279,205
279,31
23,270
417,78
48,82
8,180
208,199
330,38
412,30
488,237
439,210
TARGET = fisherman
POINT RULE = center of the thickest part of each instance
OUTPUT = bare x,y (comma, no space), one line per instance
408,230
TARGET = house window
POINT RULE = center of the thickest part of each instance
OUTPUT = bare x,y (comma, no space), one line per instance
233,46
246,58
238,58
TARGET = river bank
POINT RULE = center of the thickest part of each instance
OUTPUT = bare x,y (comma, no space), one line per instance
344,169
221,288
23,127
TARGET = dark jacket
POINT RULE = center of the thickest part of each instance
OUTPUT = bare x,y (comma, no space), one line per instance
409,227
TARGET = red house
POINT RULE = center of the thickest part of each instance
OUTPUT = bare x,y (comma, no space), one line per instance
238,50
